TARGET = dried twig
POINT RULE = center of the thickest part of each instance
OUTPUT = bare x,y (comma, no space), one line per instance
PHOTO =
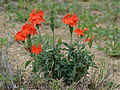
0,55
7,66
106,77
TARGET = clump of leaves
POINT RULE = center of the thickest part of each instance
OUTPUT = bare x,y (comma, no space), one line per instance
71,65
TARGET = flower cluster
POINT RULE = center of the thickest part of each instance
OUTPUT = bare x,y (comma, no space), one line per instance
27,29
19,36
35,49
80,32
36,17
72,19
89,39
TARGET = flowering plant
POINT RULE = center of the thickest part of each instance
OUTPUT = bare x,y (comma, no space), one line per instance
70,62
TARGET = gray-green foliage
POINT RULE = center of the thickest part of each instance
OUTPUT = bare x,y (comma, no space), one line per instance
71,65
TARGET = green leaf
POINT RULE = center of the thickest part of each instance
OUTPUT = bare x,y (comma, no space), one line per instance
90,44
59,42
67,45
83,46
57,67
27,63
49,50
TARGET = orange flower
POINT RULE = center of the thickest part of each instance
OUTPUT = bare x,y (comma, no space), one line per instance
28,29
75,20
88,39
72,20
36,17
19,36
35,49
80,32
67,19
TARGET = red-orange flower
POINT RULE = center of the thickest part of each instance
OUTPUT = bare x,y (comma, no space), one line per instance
28,29
88,39
70,19
36,17
35,49
19,36
80,32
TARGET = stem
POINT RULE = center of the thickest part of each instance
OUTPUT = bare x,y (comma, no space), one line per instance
0,55
71,32
29,43
1,51
53,40
37,27
40,36
71,39
52,25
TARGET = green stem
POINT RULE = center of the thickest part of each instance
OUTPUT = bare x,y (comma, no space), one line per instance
29,43
53,39
40,36
52,25
71,32
71,39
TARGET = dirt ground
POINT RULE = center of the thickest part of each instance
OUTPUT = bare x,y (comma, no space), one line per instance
18,55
